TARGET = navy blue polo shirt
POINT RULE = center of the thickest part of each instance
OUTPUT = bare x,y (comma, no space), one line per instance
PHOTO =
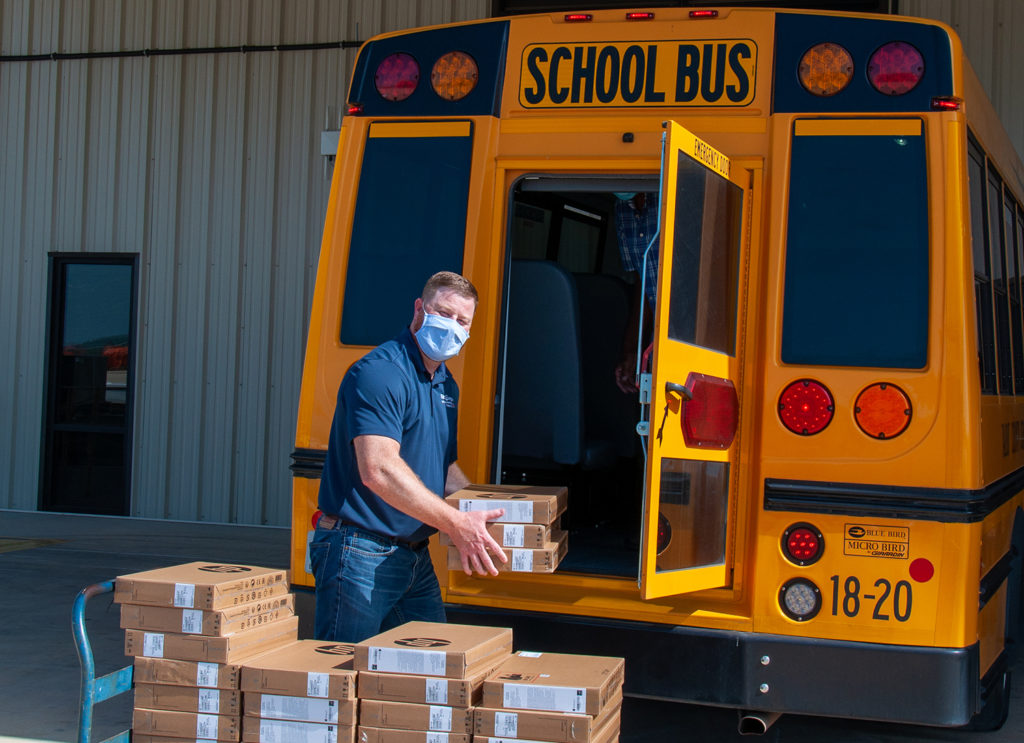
389,393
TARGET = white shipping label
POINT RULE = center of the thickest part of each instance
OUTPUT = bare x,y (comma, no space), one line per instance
529,654
206,674
402,660
506,724
153,645
278,707
492,739
437,737
191,621
206,726
513,535
437,691
209,701
548,698
522,561
516,511
317,684
440,718
284,731
184,595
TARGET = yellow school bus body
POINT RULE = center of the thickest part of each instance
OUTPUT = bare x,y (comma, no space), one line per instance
959,442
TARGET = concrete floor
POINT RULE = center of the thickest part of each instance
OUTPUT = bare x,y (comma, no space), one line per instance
46,559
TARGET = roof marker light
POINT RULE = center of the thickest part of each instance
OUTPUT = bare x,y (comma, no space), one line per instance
701,14
637,16
946,103
578,17
355,108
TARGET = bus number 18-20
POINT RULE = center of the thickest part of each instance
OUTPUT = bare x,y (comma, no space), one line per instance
848,598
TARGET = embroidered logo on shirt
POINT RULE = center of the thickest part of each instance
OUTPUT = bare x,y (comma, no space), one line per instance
448,400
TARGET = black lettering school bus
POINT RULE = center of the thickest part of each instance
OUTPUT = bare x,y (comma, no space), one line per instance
813,504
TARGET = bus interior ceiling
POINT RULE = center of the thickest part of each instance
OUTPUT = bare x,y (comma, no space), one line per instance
563,419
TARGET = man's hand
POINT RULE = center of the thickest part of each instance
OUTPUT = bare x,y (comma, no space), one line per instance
470,537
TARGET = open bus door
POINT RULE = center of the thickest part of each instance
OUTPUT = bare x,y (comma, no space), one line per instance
692,449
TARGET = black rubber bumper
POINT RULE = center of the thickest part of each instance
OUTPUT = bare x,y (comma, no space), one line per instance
870,681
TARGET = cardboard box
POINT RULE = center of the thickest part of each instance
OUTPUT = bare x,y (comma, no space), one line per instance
186,673
399,687
201,585
230,649
404,716
188,699
216,622
543,560
560,727
607,733
524,536
258,730
555,682
523,504
369,734
186,724
301,709
434,649
304,668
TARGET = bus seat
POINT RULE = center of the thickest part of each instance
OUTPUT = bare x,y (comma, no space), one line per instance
609,414
543,403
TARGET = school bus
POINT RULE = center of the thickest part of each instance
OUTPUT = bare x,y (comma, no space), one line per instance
813,501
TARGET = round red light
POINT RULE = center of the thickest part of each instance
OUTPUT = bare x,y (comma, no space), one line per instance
664,533
397,76
895,68
922,570
802,544
806,407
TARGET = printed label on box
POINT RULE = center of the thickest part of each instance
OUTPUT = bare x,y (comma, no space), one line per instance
184,595
515,511
513,535
401,660
548,698
209,701
298,708
191,621
522,561
437,691
440,718
206,726
317,684
437,737
153,645
529,654
280,731
206,674
506,724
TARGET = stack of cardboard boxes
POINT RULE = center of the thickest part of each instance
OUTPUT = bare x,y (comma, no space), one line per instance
418,682
528,530
304,692
188,627
552,697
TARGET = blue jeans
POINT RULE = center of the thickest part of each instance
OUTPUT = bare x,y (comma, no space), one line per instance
367,584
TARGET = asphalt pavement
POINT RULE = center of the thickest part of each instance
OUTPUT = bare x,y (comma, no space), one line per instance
46,559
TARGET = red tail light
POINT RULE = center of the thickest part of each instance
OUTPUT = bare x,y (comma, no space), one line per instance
709,418
806,407
895,68
802,544
397,76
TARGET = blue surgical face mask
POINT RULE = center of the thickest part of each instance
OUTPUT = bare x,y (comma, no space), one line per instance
440,338
625,196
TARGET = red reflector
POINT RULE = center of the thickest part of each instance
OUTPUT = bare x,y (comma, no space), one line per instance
806,407
940,103
895,68
397,76
710,416
922,570
703,14
578,17
639,16
802,544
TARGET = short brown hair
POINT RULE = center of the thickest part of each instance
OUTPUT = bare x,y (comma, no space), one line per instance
449,280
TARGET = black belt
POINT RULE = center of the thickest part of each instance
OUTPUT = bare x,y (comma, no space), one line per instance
328,521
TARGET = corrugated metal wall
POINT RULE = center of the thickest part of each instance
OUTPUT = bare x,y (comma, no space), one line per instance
208,166
991,31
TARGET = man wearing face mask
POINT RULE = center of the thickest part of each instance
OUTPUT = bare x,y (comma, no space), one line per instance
390,461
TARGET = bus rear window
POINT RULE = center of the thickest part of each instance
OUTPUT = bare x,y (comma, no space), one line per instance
856,291
410,221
